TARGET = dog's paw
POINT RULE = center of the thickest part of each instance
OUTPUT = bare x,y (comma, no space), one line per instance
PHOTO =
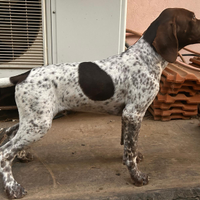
140,179
15,191
24,156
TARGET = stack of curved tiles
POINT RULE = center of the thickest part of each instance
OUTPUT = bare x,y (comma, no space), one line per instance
179,95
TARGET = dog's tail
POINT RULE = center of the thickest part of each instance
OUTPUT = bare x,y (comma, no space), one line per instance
11,81
5,82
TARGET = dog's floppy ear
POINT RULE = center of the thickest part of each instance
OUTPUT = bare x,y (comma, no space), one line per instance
166,42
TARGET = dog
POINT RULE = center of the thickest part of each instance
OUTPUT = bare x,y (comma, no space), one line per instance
124,84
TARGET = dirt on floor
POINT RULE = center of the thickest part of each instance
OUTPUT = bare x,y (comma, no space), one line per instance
81,158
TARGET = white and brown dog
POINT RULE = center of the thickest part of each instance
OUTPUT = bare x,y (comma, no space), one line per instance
126,83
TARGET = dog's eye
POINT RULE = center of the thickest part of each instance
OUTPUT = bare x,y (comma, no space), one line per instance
194,17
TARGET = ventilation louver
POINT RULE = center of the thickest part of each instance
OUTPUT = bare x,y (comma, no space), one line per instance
21,38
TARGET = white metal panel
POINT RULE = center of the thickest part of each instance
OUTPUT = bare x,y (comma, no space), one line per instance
87,30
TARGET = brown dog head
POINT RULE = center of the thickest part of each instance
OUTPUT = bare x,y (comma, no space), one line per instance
171,31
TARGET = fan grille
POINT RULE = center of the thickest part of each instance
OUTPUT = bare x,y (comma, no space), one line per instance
21,37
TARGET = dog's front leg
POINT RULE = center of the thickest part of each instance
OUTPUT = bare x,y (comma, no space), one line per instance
131,123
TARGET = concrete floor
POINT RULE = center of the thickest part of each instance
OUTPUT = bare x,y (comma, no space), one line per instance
81,158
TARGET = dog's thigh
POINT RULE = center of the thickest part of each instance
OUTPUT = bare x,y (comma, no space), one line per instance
32,127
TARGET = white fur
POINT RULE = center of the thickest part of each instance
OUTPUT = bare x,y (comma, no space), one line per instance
5,82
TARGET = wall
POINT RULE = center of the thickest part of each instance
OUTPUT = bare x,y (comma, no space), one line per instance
141,13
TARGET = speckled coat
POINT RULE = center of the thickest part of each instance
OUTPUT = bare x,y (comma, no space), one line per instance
122,84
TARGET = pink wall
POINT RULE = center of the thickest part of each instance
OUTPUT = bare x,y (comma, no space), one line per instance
141,13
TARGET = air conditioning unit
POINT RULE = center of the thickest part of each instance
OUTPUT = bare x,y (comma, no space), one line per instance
21,35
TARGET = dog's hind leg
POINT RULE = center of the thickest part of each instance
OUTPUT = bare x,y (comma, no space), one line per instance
6,135
30,130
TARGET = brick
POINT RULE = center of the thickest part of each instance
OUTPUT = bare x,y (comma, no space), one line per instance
160,112
170,90
177,104
166,98
179,95
179,73
167,118
191,84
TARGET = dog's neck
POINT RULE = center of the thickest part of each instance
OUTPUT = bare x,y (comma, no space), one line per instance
147,53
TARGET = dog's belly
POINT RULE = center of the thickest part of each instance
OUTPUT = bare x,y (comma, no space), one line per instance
79,102
100,108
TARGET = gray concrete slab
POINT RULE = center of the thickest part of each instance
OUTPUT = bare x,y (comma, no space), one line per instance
81,158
